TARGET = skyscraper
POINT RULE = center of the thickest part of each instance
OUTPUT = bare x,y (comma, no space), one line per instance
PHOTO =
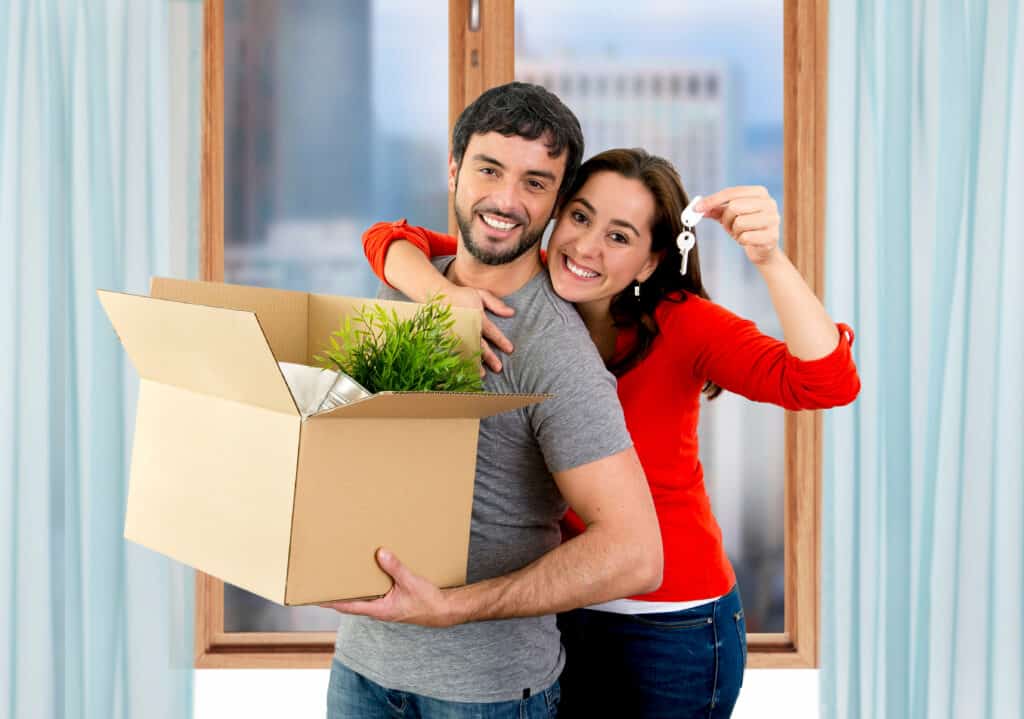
683,112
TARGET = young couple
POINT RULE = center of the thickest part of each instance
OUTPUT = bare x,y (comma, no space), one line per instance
627,344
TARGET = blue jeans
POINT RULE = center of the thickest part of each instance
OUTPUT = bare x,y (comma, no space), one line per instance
352,696
674,664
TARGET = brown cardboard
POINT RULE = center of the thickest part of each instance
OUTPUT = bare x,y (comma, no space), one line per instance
210,350
283,314
227,477
356,492
429,405
207,493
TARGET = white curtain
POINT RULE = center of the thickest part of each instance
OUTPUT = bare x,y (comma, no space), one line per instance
923,521
91,626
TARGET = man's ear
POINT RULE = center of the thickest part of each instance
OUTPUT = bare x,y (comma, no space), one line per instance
453,172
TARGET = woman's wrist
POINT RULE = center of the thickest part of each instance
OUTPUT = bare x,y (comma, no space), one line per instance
775,261
410,272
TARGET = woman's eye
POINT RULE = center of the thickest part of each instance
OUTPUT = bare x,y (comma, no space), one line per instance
578,216
619,238
487,170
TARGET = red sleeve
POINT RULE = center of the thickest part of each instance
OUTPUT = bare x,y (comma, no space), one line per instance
379,237
571,525
731,352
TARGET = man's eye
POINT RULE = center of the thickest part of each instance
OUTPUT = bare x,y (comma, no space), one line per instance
487,170
536,185
619,238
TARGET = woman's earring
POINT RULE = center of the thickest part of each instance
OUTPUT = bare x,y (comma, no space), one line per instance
636,290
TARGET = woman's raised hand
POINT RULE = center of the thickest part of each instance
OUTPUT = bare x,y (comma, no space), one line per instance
750,216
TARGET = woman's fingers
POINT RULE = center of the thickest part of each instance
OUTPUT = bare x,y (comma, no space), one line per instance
764,218
714,206
495,336
751,217
492,303
749,213
489,358
758,238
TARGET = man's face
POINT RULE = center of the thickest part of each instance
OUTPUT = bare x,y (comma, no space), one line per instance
505,192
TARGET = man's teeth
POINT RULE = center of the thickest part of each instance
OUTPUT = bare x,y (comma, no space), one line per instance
497,224
579,271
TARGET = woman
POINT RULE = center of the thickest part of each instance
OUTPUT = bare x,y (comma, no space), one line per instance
678,651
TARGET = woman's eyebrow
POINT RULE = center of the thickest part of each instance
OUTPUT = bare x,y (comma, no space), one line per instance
618,223
627,225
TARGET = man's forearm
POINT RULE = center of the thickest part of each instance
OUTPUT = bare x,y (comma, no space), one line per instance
594,567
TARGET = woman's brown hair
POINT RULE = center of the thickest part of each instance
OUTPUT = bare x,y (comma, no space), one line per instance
665,284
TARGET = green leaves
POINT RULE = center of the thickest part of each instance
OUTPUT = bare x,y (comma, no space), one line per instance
384,353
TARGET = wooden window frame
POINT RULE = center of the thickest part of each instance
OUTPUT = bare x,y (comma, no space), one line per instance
484,58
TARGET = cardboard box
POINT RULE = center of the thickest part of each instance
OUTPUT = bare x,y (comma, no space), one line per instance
228,478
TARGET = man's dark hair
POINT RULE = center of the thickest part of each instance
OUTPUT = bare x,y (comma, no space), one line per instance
528,111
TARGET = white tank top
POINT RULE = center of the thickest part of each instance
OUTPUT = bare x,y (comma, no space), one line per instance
639,606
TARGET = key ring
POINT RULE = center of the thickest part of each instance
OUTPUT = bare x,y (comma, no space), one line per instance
686,240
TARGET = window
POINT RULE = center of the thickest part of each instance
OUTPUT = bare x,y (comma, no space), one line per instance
294,209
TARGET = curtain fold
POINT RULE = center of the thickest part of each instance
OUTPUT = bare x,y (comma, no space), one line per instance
923,514
91,626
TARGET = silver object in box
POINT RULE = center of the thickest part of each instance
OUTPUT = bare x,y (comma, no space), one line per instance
343,391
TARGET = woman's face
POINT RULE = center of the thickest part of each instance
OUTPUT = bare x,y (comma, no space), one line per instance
602,241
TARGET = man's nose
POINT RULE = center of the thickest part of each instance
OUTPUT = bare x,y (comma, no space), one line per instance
508,198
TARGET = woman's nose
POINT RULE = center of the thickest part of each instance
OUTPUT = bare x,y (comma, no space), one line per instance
588,243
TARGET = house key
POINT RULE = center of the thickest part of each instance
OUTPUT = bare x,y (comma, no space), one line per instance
686,239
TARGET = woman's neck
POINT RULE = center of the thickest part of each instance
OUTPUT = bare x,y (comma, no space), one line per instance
597,316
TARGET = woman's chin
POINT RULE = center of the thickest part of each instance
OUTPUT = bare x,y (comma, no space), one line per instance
577,292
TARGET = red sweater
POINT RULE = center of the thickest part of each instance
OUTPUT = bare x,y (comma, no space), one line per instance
660,396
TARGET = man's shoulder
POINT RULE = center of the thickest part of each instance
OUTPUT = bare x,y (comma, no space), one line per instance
545,314
553,348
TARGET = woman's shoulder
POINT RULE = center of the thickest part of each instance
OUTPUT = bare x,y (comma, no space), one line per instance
695,321
681,305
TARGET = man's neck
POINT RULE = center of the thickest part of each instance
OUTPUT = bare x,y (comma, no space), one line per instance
501,280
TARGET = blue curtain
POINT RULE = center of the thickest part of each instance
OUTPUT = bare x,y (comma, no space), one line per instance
90,625
923,519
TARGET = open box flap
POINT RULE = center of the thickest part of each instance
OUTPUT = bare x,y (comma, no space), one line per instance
283,314
431,405
211,350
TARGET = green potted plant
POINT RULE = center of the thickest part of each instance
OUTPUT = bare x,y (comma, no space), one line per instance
420,354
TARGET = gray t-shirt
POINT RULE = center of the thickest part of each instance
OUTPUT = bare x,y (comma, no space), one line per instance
516,508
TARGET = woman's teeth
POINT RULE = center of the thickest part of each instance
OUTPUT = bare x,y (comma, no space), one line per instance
579,271
497,224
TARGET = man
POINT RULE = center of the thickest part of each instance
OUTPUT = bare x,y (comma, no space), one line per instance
423,651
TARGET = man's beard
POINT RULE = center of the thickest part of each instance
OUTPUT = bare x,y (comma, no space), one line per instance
526,241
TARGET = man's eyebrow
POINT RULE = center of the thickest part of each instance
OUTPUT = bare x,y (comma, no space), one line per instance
480,157
541,173
618,223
